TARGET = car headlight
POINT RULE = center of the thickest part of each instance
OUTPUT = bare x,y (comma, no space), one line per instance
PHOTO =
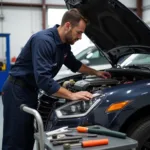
78,108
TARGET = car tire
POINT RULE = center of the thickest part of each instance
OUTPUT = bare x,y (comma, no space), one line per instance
141,134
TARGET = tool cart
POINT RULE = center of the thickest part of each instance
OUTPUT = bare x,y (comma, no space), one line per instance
55,140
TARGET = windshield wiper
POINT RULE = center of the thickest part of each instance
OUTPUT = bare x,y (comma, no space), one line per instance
137,67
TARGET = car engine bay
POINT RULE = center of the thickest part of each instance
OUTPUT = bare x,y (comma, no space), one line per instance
90,84
93,83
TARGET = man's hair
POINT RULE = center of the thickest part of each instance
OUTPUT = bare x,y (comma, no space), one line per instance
73,16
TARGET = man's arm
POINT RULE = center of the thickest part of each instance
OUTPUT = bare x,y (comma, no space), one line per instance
43,67
75,65
62,92
87,70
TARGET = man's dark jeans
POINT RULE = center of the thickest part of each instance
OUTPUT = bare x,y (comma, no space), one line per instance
18,126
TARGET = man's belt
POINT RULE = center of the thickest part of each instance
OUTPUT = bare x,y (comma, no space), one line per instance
17,81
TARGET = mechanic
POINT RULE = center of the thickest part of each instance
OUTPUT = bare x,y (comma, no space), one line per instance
39,61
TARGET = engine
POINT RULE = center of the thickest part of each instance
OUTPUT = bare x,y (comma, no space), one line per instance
89,84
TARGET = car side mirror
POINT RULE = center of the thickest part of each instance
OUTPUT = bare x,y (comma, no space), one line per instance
85,61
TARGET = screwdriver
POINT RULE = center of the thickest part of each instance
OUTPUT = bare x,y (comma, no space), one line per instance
82,134
101,131
55,143
89,143
67,138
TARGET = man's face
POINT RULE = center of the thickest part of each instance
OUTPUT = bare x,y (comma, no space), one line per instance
75,33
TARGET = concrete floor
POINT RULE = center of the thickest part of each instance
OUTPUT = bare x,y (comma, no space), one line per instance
1,122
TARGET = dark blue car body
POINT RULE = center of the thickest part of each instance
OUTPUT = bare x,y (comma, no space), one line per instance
139,94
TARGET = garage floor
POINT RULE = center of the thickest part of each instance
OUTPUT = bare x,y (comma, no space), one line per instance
1,121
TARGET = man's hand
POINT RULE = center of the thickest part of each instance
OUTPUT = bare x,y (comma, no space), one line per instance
82,95
64,93
103,74
88,70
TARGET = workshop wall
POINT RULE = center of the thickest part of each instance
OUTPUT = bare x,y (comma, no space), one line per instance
129,3
146,11
60,2
23,1
22,22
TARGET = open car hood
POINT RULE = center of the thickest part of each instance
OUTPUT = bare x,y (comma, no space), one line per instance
111,25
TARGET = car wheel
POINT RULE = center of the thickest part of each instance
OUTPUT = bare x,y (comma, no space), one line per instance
142,135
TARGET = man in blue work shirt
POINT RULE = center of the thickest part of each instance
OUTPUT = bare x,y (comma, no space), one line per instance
39,61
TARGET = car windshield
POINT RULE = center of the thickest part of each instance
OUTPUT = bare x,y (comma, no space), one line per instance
83,53
135,59
93,57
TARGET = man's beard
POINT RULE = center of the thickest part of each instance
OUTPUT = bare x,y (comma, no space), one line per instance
69,39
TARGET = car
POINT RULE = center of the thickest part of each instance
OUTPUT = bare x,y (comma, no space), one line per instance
91,56
122,102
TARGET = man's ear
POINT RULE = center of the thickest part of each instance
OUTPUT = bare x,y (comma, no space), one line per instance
68,25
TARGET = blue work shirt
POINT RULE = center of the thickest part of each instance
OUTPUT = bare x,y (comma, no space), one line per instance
41,59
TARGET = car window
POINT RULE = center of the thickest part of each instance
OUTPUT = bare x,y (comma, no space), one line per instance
83,53
137,59
93,56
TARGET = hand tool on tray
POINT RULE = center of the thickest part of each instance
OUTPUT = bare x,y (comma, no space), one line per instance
88,143
82,134
101,131
55,143
58,131
67,138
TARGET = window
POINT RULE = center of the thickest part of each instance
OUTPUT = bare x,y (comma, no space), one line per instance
136,59
55,16
93,55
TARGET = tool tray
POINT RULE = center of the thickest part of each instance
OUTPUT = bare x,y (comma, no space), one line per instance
114,143
43,142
